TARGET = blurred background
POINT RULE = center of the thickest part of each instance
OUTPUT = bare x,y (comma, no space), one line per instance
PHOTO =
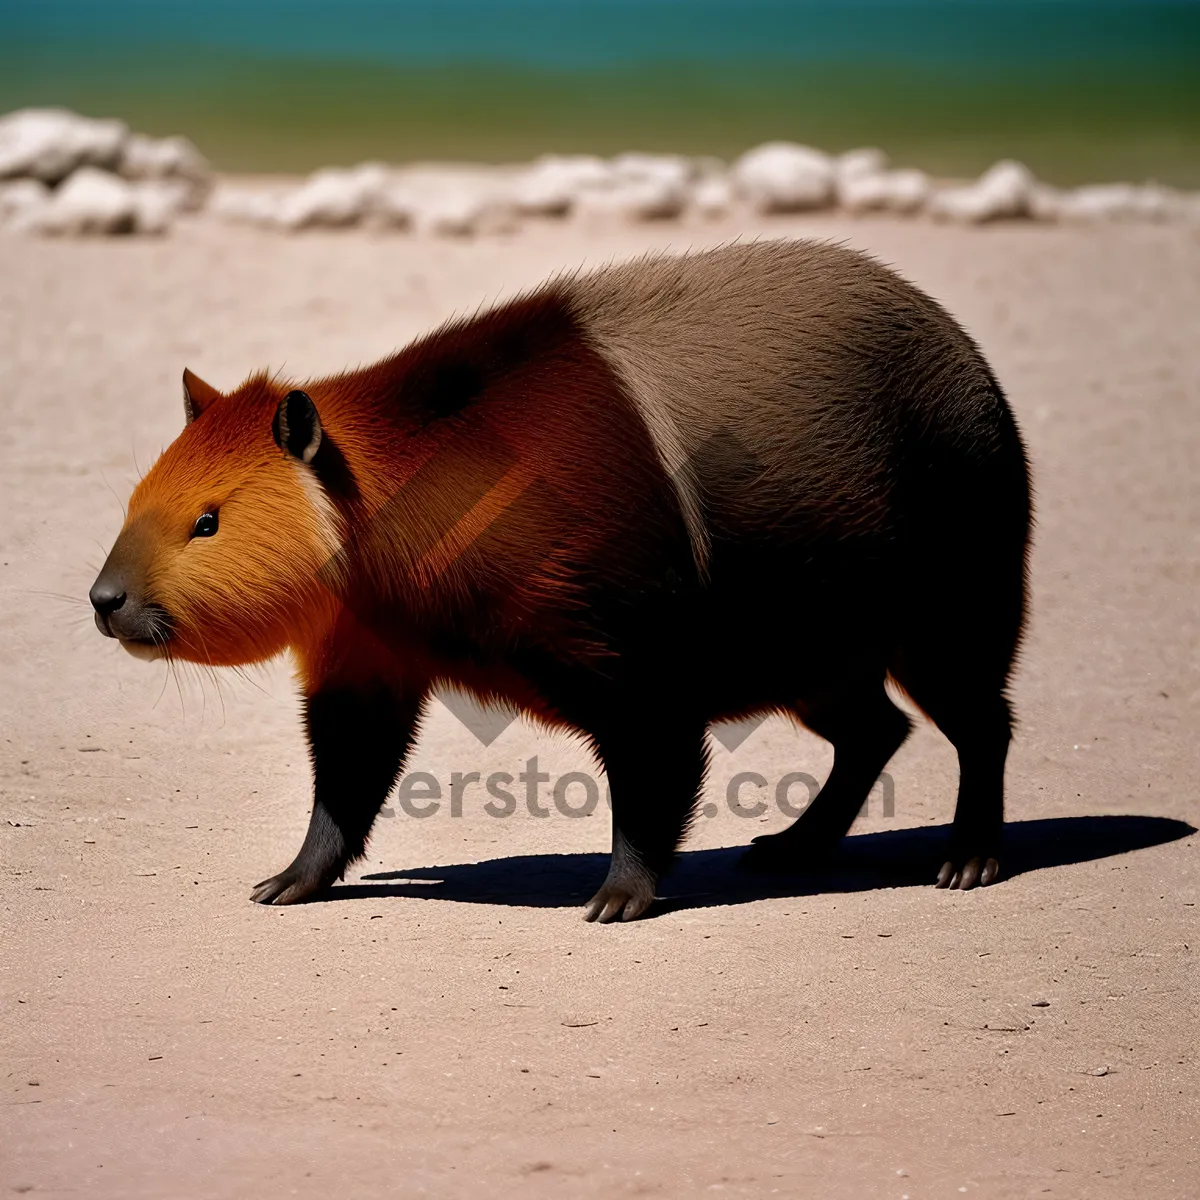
1081,90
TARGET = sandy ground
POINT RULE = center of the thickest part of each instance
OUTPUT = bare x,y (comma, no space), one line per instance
446,1024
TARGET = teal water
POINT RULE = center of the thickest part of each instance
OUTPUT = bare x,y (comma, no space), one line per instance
1080,90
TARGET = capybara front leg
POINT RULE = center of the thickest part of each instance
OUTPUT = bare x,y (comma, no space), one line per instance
358,738
655,768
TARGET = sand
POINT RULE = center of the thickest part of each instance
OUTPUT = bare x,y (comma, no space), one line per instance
446,1024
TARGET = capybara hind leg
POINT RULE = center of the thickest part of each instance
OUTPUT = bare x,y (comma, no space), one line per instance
979,726
981,734
358,738
655,768
865,729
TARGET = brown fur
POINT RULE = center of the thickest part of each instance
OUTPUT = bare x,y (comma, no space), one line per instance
673,491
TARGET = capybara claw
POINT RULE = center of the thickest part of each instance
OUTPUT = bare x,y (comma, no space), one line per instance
615,901
286,888
975,872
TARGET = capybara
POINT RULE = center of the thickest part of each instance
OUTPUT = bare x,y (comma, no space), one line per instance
762,478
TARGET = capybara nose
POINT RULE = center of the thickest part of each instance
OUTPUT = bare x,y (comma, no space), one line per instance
107,597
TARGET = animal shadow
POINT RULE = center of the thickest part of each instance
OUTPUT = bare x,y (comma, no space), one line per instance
705,878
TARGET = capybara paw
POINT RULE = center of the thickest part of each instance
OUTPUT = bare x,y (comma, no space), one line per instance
965,873
290,887
624,900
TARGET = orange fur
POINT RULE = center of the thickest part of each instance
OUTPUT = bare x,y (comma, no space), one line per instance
239,599
470,526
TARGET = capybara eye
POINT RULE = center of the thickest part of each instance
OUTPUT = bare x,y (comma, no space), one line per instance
206,525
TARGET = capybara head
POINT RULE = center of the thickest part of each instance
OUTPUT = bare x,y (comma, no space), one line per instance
218,558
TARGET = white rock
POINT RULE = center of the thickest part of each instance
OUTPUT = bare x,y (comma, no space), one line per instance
646,199
584,170
965,204
49,143
861,193
712,196
855,164
1010,182
1120,201
637,187
782,177
91,201
1158,203
902,191
159,201
246,205
394,207
1045,202
333,197
1099,202
1003,191
144,157
19,196
463,210
550,186
674,168
449,212
447,200
544,191
664,183
174,158
908,190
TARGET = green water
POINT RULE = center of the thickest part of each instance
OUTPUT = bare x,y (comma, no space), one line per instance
1078,91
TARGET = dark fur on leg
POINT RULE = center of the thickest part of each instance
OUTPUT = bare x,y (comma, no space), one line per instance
358,739
865,729
981,735
655,768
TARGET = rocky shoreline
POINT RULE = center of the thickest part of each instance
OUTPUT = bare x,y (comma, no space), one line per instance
62,174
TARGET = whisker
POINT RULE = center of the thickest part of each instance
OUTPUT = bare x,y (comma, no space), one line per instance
244,675
178,687
203,672
163,691
69,599
213,675
116,494
216,678
157,638
188,671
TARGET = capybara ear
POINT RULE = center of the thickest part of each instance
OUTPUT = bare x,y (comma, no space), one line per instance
197,395
296,426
